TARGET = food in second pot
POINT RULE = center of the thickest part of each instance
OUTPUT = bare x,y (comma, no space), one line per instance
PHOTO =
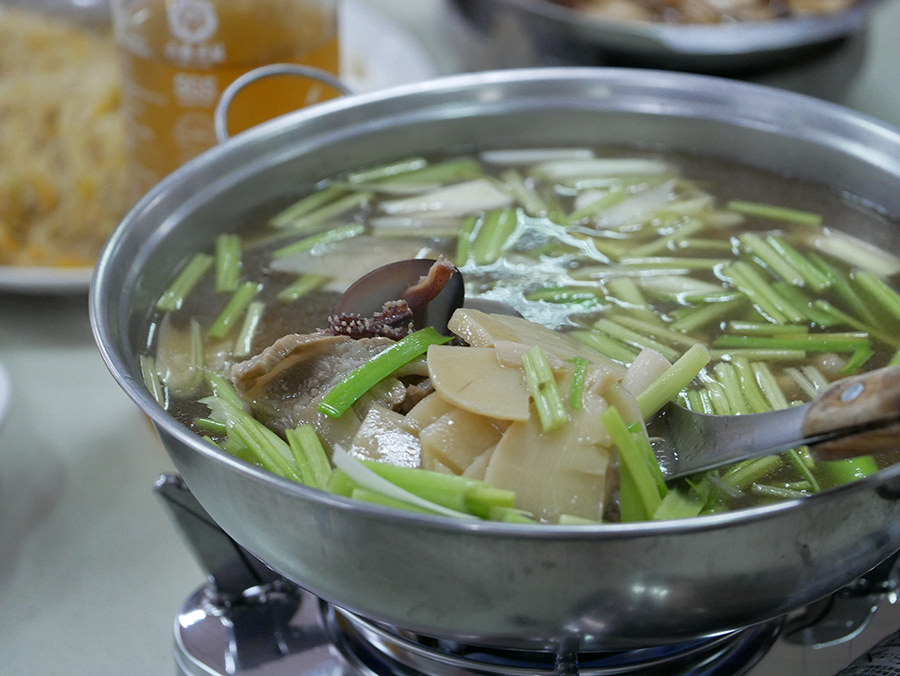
704,11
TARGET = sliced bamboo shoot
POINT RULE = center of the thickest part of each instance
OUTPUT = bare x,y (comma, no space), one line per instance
473,379
481,329
383,436
458,437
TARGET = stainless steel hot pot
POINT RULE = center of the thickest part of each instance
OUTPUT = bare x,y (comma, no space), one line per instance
605,586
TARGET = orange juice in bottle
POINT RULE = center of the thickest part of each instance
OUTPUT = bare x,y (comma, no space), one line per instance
178,56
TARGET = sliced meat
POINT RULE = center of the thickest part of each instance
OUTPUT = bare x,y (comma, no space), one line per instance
288,380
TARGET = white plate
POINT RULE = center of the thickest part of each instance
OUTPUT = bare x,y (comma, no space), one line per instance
375,52
5,393
45,280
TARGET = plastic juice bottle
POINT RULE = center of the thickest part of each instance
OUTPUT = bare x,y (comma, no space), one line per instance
178,56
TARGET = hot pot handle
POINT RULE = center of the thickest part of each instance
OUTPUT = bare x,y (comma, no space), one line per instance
221,114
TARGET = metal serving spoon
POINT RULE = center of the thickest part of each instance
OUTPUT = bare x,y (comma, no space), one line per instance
856,416
415,281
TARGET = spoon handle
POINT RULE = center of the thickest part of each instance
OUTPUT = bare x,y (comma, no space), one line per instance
869,402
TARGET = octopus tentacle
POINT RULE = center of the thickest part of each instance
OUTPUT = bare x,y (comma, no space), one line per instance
395,321
397,318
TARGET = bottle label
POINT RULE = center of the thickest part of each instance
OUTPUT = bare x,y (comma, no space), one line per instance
193,23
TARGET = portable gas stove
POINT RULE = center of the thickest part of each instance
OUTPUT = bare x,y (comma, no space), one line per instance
248,620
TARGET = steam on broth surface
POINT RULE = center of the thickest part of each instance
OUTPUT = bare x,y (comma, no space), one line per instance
620,263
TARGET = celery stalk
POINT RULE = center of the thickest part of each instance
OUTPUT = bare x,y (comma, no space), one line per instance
492,235
701,316
606,201
389,170
882,293
222,389
356,384
777,263
528,198
673,380
575,393
443,173
464,240
375,498
774,212
691,227
851,469
813,277
769,385
764,328
300,287
749,386
566,294
307,205
746,473
544,393
776,492
811,343
718,399
233,310
639,492
657,332
844,290
459,493
152,381
679,504
727,377
803,304
320,216
510,515
626,291
243,346
803,469
340,483
757,354
173,297
841,317
759,294
315,469
630,337
228,263
857,359
328,237
606,345
271,451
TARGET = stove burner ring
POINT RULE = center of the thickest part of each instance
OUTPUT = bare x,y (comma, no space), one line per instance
381,650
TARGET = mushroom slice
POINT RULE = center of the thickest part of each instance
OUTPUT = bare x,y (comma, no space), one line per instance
473,379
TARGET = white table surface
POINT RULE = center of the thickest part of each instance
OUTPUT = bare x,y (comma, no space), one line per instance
91,571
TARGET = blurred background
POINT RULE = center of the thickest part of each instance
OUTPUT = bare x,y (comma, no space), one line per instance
91,571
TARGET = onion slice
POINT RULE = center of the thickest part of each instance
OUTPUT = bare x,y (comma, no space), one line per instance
370,480
459,199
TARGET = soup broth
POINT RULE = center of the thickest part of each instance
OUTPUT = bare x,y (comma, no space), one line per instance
637,258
